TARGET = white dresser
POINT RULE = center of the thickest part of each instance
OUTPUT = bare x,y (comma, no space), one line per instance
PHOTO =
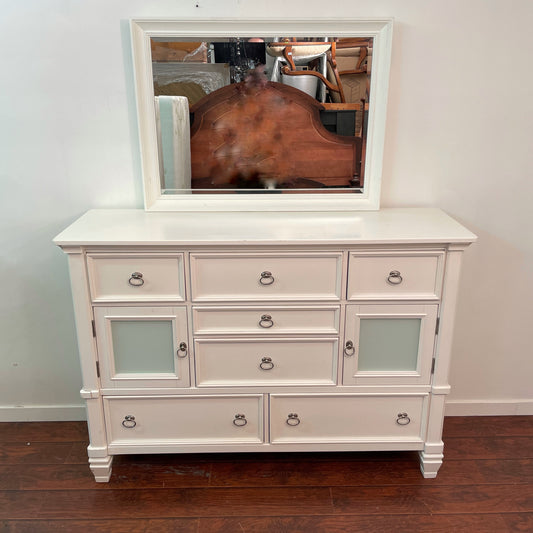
249,332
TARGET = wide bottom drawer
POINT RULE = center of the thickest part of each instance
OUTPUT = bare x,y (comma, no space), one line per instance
231,419
346,418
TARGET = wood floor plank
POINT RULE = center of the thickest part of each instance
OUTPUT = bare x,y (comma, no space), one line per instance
479,499
488,523
358,473
179,525
517,522
20,504
488,426
35,453
184,503
488,448
43,431
473,499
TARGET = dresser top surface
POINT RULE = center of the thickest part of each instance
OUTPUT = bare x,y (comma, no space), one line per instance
136,227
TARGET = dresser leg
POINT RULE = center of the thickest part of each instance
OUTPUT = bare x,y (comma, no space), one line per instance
430,463
101,468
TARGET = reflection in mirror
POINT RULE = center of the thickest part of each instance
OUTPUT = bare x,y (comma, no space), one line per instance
307,133
294,110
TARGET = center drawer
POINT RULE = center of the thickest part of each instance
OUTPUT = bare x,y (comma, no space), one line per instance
261,276
253,362
266,320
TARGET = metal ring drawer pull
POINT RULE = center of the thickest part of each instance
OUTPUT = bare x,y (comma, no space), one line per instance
266,278
403,419
349,349
129,421
293,419
136,279
240,420
395,278
182,350
266,321
266,363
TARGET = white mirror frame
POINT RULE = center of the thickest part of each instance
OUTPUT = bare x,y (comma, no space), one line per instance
381,32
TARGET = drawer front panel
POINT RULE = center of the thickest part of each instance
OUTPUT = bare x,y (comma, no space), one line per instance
345,418
184,419
252,362
389,276
239,277
143,277
266,320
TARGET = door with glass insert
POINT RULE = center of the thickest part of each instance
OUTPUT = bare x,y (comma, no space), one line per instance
142,346
389,344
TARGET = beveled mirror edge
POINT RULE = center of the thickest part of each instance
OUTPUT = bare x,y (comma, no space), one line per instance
142,30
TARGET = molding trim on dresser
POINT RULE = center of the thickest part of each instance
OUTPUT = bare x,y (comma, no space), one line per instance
242,332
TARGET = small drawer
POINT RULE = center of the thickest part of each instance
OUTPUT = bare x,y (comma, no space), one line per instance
346,418
241,277
266,320
253,362
416,275
133,278
184,419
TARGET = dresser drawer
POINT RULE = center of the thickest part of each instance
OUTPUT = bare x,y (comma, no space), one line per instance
253,362
346,418
184,419
133,278
395,275
240,277
267,320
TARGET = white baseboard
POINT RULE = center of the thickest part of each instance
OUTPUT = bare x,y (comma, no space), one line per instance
42,413
488,407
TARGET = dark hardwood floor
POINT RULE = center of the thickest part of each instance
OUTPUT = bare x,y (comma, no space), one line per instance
485,485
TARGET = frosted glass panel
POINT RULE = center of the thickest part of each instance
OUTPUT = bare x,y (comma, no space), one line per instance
388,344
143,346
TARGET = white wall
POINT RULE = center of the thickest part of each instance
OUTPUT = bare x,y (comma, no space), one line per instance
458,137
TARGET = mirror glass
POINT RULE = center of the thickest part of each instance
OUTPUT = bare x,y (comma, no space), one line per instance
230,111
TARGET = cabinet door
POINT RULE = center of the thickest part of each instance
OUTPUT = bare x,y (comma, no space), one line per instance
389,344
142,346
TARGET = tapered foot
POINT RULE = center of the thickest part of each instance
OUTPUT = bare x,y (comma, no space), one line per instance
101,468
430,463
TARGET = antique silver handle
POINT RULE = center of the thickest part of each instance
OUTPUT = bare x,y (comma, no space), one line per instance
136,279
182,350
266,363
266,321
403,419
349,349
394,278
266,278
293,419
129,421
240,420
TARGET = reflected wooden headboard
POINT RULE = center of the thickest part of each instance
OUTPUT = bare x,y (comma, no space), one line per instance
256,133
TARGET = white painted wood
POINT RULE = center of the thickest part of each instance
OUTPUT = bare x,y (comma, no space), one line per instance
259,361
379,29
394,226
342,418
427,314
111,277
176,316
319,261
236,277
395,275
266,320
185,419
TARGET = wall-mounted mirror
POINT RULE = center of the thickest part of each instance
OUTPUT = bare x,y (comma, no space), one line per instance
254,115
